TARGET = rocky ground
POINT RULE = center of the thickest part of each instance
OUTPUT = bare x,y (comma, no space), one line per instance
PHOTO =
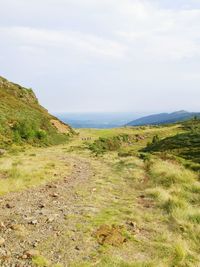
30,217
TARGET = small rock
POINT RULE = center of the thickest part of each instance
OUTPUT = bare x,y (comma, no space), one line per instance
2,152
2,226
50,219
41,206
2,241
51,186
54,195
35,244
77,248
132,224
6,256
30,254
16,227
34,222
9,206
24,257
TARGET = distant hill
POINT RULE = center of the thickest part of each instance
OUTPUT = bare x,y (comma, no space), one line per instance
164,118
24,120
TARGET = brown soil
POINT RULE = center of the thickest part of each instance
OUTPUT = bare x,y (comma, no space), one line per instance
110,235
61,127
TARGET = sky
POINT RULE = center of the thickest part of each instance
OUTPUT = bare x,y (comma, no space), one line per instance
104,55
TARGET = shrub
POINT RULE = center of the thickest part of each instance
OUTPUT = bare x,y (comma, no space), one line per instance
24,130
156,139
41,134
103,145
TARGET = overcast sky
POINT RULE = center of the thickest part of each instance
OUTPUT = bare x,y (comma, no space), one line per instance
104,55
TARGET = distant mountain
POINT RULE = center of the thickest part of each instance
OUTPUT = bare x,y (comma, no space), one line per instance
163,118
24,120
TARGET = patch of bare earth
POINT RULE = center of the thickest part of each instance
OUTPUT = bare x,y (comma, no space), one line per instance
61,127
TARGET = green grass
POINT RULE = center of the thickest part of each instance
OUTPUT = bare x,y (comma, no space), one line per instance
168,173
23,120
40,261
113,262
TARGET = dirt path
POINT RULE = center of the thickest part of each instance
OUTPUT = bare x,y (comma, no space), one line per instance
30,217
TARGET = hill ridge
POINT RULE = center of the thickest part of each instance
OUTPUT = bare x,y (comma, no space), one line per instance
163,118
24,120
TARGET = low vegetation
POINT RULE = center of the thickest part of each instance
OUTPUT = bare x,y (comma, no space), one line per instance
186,145
114,143
20,170
128,204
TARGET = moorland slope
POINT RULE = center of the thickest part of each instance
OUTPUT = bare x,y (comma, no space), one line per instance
24,120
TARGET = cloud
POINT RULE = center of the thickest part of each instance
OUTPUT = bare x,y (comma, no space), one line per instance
62,39
153,32
109,28
116,51
165,34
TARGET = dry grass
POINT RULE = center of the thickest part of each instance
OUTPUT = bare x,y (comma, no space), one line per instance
32,168
160,196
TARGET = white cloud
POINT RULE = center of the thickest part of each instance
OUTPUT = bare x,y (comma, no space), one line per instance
61,39
154,33
129,48
165,34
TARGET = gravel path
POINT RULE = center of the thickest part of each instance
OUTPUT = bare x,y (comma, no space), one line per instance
30,217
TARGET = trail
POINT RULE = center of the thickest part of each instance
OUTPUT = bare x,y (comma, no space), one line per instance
30,217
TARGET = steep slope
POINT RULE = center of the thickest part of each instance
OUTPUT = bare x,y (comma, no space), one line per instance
24,120
163,118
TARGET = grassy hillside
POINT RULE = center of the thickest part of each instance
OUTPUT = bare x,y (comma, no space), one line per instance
23,120
126,141
184,144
